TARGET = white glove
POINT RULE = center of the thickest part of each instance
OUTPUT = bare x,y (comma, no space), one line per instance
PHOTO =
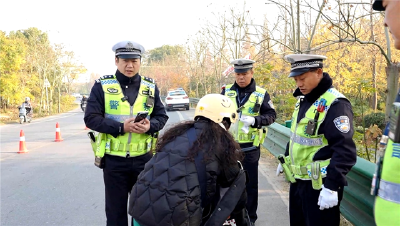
247,120
279,170
245,129
327,198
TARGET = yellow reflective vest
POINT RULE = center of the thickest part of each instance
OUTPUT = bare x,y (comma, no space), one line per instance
255,136
129,144
387,202
302,146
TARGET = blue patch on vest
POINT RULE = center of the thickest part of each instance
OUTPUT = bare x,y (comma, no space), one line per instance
258,94
109,82
114,104
396,150
145,107
335,92
151,85
251,110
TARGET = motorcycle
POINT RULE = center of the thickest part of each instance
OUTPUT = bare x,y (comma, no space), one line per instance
24,115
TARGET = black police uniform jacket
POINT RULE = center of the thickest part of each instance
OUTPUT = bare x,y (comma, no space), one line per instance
267,114
167,191
94,114
341,148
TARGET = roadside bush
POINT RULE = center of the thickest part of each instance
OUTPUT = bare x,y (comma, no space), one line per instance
375,118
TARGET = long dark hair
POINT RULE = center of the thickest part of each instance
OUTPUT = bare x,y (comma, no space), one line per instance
213,138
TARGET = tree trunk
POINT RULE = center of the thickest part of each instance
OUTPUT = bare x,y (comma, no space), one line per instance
51,101
392,72
375,94
41,100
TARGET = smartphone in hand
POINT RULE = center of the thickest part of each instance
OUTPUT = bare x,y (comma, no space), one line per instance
141,115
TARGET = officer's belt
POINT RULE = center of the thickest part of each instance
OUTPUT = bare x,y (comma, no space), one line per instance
135,149
302,170
244,137
389,191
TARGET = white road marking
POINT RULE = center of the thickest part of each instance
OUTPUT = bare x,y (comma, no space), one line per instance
181,118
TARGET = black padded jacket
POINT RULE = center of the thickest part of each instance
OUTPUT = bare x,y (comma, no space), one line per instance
167,191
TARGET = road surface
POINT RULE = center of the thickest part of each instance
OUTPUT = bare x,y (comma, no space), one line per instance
56,183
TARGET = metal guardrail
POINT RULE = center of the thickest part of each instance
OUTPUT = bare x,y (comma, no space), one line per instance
357,203
194,100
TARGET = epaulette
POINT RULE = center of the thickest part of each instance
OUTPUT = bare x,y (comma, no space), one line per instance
149,79
106,77
97,80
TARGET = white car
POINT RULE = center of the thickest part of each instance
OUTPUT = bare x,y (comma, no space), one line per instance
177,99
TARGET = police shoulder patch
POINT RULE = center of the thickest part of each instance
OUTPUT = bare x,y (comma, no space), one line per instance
149,79
106,76
342,123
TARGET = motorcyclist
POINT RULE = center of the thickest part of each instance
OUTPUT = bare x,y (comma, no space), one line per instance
83,101
28,106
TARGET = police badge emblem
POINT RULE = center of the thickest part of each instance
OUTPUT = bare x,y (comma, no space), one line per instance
342,123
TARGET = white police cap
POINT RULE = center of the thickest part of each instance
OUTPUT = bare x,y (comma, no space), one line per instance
128,50
242,65
302,63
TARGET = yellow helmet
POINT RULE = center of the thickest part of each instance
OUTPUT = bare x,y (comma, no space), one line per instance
216,107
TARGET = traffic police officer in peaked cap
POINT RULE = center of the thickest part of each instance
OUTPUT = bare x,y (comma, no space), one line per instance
387,187
256,110
321,151
123,145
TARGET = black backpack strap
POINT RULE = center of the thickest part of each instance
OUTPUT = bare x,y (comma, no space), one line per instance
201,167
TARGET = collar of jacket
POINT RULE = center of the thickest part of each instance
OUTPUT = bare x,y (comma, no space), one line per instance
323,86
248,89
123,80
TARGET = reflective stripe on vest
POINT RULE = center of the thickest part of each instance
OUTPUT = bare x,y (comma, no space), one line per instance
389,191
302,146
254,135
129,144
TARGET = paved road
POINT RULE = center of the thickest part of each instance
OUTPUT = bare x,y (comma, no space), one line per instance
55,183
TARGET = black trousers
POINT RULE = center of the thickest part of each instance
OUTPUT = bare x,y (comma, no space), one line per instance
120,175
250,164
304,209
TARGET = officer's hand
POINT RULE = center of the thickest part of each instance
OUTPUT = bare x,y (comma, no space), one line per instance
245,129
279,170
128,125
247,120
141,126
327,198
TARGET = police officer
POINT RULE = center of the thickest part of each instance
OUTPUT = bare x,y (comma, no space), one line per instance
321,151
255,110
387,201
112,106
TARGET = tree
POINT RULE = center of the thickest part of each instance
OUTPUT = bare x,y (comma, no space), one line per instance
12,56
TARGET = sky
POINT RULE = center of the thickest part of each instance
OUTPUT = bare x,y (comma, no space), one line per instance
91,28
